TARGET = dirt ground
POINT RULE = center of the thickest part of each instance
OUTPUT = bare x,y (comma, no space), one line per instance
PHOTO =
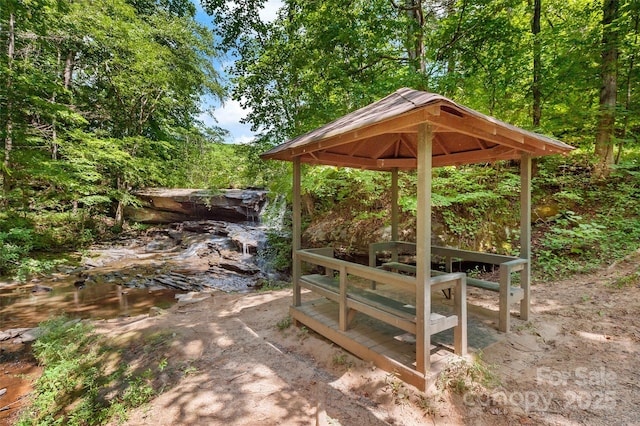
575,362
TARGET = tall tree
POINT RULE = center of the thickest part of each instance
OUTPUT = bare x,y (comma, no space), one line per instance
8,128
609,88
537,64
99,94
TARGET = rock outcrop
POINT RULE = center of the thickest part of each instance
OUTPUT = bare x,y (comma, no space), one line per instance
160,205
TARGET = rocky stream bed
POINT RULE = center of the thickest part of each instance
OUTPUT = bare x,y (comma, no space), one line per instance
139,271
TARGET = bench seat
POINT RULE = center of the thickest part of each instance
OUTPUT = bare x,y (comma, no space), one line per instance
376,305
515,292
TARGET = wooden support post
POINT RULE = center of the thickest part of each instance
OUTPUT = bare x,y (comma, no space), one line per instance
504,302
423,250
344,310
525,233
372,263
460,306
394,206
296,233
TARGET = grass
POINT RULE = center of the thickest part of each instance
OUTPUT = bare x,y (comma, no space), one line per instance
88,379
284,323
462,376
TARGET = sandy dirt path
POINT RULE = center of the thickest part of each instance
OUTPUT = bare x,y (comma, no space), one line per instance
229,363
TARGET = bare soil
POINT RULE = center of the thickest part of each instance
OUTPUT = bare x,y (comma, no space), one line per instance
575,362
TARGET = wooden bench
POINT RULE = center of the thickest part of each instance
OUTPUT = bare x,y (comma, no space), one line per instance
515,292
391,311
352,299
508,294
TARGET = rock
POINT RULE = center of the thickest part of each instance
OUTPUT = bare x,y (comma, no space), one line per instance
29,336
191,297
156,311
246,239
41,289
2,392
150,215
177,281
242,268
176,205
21,335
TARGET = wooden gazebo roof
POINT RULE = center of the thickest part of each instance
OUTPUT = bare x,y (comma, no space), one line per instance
383,136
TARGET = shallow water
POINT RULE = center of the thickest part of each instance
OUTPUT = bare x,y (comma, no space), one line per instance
131,276
20,308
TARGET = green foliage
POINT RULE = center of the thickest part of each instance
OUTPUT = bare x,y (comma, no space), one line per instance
462,376
276,252
330,186
100,99
598,221
284,323
475,204
81,384
14,246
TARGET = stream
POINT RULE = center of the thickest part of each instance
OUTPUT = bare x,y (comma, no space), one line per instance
137,272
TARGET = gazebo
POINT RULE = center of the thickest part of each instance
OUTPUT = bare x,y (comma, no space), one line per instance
407,130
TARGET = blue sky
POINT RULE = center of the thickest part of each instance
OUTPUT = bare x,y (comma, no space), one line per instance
229,114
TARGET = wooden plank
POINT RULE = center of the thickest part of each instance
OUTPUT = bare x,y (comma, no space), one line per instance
343,160
386,363
490,155
361,271
397,163
474,256
383,315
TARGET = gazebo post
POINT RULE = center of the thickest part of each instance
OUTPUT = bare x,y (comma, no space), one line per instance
525,232
423,250
394,210
296,233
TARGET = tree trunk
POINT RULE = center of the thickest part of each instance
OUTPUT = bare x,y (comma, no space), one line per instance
607,116
627,101
537,64
8,140
416,34
119,216
68,69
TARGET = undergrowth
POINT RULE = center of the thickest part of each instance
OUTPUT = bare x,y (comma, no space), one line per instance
581,222
86,380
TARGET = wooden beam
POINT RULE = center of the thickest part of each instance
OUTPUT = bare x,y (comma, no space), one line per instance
423,249
479,129
498,152
381,149
296,232
483,144
442,146
394,205
356,146
342,160
409,147
391,125
396,163
525,232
